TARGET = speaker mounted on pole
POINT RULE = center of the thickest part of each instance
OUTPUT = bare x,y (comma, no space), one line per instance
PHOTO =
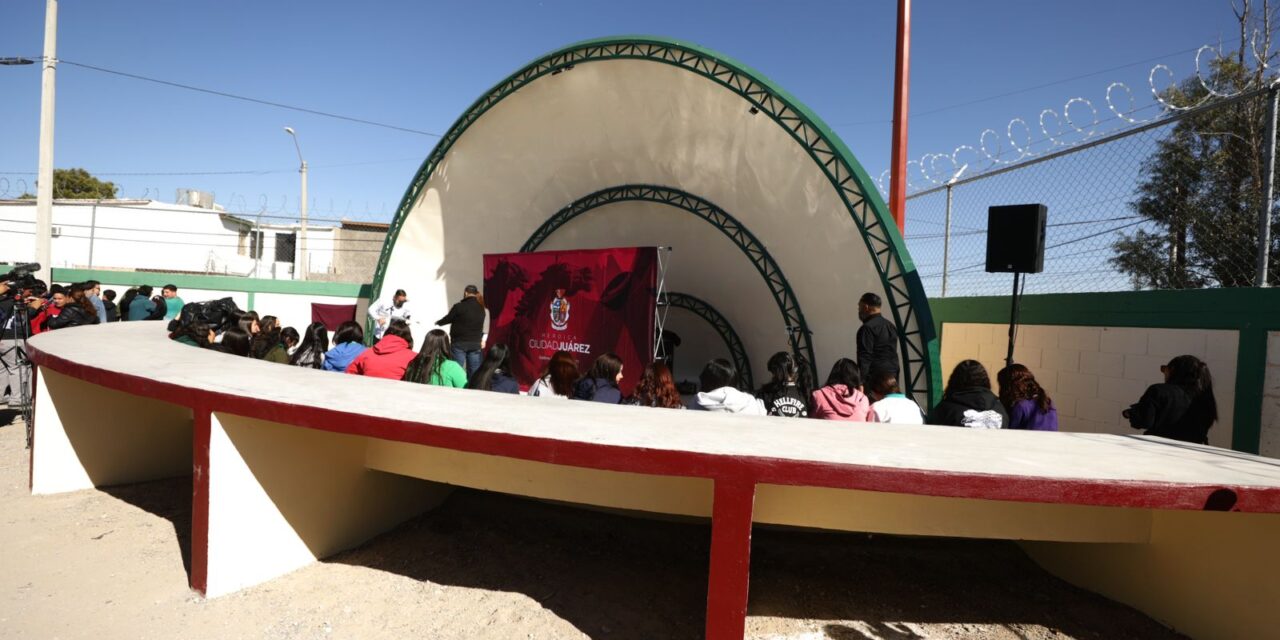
1015,238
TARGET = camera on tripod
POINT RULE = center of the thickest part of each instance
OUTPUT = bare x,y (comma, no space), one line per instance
21,277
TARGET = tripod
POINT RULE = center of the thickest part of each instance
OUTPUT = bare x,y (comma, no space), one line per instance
13,352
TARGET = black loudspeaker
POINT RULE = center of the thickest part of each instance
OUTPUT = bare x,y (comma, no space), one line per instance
1015,238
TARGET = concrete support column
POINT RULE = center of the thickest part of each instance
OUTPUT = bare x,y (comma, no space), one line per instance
727,584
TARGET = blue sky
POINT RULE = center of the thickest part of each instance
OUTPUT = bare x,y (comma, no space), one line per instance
419,64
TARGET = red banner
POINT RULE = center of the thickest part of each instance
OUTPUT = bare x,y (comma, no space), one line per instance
587,302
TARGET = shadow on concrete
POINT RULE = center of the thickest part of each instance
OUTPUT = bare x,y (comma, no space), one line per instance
170,499
613,576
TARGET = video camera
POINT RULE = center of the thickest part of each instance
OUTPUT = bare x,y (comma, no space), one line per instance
21,277
218,314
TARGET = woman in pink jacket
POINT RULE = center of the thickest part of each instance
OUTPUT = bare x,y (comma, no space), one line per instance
842,398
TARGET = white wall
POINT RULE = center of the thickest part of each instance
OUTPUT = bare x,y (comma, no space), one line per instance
1094,373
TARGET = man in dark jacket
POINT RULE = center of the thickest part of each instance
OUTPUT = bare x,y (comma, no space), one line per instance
877,339
466,329
15,317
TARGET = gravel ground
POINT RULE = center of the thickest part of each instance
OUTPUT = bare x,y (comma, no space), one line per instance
110,564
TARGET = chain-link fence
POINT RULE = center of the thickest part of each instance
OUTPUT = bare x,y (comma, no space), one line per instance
1172,203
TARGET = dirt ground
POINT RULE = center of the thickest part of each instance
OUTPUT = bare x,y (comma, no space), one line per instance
110,564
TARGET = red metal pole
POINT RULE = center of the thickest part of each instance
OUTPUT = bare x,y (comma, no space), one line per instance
902,82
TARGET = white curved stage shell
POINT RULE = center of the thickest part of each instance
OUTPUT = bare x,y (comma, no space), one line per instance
648,111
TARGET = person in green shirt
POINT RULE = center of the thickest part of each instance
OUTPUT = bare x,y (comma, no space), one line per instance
172,303
434,365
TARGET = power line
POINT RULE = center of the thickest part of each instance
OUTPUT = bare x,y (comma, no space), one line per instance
233,96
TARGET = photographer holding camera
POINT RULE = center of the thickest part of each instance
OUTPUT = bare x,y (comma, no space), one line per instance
18,306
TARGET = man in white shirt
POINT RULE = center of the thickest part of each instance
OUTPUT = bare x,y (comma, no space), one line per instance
384,311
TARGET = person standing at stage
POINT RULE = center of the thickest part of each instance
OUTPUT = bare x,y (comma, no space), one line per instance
384,311
877,339
466,329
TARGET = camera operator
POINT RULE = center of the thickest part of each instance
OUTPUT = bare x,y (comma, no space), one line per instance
17,308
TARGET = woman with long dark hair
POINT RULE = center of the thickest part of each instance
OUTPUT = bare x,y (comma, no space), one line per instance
600,384
268,345
968,401
841,398
1182,408
348,342
656,389
1028,404
291,339
310,352
236,341
493,372
466,329
250,323
195,333
786,394
125,301
559,377
433,365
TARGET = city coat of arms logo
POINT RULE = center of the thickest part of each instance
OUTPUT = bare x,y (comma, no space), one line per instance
560,311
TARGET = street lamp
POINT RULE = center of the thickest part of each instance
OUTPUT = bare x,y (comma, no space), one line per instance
302,233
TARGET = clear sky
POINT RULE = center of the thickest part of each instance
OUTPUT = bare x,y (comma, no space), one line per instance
418,64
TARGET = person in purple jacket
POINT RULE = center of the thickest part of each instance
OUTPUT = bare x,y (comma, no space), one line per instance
1028,404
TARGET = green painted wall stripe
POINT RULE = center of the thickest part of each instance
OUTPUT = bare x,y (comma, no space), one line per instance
216,283
1252,312
249,305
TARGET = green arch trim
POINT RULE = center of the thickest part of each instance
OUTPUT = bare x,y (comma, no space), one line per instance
798,329
904,294
704,310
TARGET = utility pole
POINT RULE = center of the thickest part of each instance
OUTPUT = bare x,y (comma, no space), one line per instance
44,177
902,82
302,231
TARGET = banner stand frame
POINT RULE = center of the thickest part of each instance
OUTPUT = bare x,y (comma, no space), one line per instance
660,306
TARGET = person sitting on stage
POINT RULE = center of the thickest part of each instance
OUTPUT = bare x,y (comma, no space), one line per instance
1182,408
1028,404
601,382
889,404
968,401
348,342
718,392
433,365
558,379
492,374
656,389
842,397
787,394
389,357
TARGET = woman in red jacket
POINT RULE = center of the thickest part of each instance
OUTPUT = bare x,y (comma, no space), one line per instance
388,358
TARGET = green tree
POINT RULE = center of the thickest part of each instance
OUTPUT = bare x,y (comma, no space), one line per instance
78,184
1201,190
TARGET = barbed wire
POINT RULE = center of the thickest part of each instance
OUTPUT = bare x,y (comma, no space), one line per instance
1078,122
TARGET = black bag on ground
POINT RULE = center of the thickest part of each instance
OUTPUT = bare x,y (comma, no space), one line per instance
218,314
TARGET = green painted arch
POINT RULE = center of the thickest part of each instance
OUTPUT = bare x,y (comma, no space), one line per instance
792,316
905,297
701,308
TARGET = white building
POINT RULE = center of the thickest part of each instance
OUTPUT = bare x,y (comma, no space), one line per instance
147,235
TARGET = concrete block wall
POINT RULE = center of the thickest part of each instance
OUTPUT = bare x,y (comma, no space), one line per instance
1094,373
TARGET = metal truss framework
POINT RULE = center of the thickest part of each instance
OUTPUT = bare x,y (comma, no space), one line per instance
904,294
798,333
699,307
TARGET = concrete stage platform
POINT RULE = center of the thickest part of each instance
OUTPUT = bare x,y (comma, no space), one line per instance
291,465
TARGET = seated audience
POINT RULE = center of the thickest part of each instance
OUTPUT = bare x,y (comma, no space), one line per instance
1183,407
389,357
841,398
109,303
558,379
1028,404
433,364
888,403
719,394
196,334
656,389
600,384
310,353
348,342
967,400
267,344
492,374
250,322
235,341
785,395
291,340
